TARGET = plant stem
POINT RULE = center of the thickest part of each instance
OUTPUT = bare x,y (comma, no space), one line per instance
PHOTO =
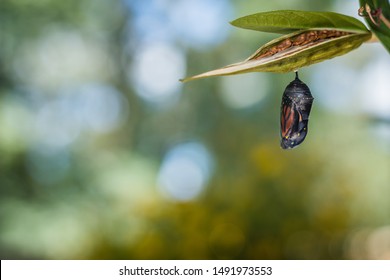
373,39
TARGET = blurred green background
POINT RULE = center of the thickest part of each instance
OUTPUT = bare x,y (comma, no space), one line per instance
104,154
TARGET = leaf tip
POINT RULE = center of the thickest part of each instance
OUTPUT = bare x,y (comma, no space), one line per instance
187,79
234,23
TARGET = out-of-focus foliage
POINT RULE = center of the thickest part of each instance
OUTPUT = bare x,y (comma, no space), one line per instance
104,154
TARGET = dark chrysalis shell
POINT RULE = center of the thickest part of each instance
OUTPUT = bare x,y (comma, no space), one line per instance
294,114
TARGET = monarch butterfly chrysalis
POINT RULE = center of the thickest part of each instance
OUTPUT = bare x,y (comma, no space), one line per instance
294,114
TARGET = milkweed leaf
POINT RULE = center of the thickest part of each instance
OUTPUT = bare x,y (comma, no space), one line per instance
293,51
286,21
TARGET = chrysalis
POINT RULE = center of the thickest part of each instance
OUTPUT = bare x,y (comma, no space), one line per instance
294,114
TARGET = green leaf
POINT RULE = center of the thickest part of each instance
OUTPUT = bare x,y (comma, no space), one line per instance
286,21
289,53
379,27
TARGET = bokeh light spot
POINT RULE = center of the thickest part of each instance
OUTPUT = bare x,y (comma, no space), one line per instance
201,23
99,108
103,107
156,71
195,23
185,171
61,57
243,91
376,88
